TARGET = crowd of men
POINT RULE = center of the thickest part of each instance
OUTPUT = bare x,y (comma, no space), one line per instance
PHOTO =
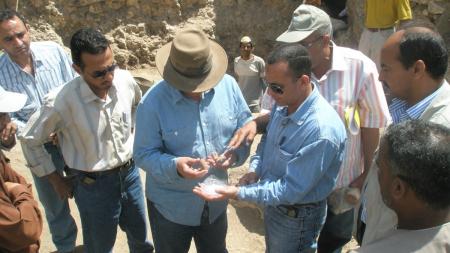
85,130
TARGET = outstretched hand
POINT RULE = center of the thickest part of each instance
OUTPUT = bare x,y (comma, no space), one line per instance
216,193
246,133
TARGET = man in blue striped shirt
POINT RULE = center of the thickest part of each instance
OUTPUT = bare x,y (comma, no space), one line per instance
33,69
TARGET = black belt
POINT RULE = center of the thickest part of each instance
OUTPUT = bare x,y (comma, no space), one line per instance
292,210
94,174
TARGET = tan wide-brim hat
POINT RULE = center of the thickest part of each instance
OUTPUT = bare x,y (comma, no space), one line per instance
192,62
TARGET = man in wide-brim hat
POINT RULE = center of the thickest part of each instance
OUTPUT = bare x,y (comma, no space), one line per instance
183,125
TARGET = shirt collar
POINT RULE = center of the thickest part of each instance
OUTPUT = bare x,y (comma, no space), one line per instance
15,66
302,111
400,107
88,95
177,95
337,61
36,58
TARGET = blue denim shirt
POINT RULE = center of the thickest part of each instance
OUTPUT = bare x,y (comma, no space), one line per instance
170,125
52,68
299,158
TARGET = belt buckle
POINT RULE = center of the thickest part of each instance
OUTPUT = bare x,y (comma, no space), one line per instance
289,210
292,212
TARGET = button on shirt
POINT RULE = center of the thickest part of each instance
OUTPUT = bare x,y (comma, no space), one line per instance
299,158
352,84
52,68
170,125
94,134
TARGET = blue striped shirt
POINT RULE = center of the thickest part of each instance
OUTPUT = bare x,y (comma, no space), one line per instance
52,68
401,111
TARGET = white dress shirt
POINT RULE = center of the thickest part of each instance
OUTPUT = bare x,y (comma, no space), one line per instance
94,134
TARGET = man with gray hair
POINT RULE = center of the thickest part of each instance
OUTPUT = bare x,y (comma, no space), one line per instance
348,81
413,165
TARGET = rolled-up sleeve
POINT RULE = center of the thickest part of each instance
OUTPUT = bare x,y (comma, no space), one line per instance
33,137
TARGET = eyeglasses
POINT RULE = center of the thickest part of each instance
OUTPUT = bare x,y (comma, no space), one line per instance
103,73
311,43
276,88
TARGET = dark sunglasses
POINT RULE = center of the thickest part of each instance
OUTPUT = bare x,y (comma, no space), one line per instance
103,73
276,88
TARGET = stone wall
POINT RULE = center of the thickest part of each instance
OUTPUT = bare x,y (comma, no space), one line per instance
137,28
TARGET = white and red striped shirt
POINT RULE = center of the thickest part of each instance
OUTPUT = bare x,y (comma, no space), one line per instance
352,82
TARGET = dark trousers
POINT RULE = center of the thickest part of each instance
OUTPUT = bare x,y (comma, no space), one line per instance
170,237
336,232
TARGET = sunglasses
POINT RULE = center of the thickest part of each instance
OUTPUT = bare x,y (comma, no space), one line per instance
103,73
276,88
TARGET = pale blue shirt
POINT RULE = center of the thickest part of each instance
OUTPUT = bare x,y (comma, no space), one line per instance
170,125
299,158
52,68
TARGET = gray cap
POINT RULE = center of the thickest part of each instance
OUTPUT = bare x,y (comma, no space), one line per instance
306,19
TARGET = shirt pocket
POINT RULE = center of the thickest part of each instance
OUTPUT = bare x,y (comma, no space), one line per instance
228,122
280,163
122,122
179,140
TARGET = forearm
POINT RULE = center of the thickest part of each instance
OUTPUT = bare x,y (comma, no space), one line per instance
23,219
261,122
370,138
38,159
161,166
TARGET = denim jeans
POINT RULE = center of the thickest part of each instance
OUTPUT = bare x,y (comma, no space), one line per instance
336,232
107,201
288,231
170,237
61,223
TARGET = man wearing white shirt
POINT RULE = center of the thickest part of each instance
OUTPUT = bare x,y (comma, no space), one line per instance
92,116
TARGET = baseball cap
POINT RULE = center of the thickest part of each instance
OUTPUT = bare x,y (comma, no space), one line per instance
11,101
246,39
305,20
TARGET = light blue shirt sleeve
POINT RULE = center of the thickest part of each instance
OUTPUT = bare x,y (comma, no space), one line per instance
303,173
149,148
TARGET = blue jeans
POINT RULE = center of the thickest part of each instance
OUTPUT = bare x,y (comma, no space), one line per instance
294,230
109,200
170,237
336,232
62,225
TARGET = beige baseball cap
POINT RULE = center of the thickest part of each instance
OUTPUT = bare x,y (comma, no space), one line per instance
306,19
